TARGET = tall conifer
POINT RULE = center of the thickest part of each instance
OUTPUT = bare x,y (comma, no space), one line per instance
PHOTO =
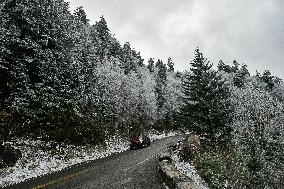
206,110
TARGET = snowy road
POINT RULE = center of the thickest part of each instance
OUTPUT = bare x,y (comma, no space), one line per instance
130,169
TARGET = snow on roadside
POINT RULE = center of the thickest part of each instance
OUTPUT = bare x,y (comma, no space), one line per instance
38,158
154,135
188,169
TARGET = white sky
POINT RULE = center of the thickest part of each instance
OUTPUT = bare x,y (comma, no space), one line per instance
249,31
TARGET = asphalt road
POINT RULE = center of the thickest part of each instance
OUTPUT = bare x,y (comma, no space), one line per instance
130,169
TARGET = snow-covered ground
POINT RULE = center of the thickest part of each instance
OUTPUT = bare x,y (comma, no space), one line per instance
38,158
188,169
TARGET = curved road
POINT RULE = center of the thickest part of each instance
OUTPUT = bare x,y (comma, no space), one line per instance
130,169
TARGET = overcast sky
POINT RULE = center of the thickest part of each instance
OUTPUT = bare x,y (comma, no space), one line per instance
249,31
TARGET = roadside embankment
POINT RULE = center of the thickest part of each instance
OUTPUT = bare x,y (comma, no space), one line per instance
171,174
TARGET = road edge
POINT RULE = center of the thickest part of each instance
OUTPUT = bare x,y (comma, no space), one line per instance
172,177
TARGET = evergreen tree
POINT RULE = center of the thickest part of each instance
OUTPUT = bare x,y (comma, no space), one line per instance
102,29
235,66
170,65
268,79
162,71
34,44
105,44
206,109
240,76
161,83
140,60
128,58
81,15
150,65
224,67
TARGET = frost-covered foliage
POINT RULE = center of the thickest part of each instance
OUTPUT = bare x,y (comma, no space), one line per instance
167,91
258,129
259,136
124,99
173,96
67,80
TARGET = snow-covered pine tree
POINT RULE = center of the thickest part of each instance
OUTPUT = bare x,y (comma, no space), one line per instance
161,83
80,14
104,42
206,109
240,76
268,79
130,59
150,65
170,65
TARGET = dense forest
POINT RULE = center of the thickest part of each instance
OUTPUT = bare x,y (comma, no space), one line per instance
67,80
